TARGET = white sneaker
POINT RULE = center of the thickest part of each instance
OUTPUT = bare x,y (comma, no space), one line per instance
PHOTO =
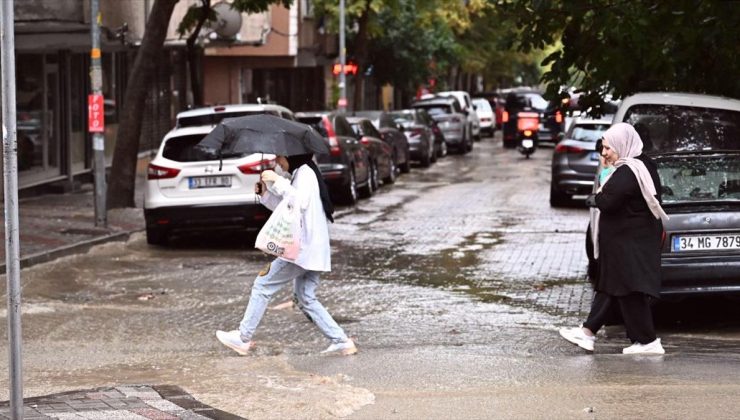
653,347
576,336
345,349
233,340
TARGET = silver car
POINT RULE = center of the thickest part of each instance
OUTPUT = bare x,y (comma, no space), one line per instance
695,142
575,161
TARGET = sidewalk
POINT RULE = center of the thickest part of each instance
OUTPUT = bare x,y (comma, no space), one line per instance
55,225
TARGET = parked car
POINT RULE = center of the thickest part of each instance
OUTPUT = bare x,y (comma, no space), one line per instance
575,161
440,144
486,116
190,190
694,142
382,166
420,136
552,121
467,108
213,115
452,120
346,169
391,133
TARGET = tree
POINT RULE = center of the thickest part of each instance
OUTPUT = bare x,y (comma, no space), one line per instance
121,187
622,47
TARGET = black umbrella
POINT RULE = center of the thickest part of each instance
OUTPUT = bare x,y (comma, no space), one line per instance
262,133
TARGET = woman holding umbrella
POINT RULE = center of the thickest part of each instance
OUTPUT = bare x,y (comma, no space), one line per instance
307,190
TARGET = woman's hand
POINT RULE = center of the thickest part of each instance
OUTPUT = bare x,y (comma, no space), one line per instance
269,176
259,188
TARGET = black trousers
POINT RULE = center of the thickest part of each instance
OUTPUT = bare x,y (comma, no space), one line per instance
635,311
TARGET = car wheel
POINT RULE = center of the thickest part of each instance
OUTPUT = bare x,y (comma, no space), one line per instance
372,182
156,236
426,160
406,166
557,198
443,149
391,178
435,153
349,194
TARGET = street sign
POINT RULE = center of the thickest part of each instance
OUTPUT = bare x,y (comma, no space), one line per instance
95,114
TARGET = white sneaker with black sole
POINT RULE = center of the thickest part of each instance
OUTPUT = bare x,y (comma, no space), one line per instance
576,336
654,347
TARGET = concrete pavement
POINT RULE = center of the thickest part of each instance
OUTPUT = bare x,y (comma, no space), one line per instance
56,225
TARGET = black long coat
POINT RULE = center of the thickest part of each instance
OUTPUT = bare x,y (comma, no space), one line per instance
629,235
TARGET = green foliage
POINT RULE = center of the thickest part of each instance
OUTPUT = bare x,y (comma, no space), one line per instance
622,47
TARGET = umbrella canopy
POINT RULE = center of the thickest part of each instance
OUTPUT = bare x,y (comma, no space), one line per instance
263,133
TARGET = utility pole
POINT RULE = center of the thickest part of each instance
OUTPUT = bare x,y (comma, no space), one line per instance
342,105
96,116
12,246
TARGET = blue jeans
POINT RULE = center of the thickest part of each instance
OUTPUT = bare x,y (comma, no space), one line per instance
305,282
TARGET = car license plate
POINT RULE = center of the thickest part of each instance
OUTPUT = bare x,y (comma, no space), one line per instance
196,182
527,143
706,242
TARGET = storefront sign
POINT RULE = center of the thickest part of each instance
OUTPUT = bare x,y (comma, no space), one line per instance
95,114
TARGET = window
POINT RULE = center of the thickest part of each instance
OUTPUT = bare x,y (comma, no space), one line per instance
213,119
182,149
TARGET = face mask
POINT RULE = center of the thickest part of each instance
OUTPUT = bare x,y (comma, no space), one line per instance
280,171
604,174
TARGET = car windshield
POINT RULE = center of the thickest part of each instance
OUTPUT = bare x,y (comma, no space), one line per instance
699,178
673,128
182,149
482,105
437,109
587,132
215,118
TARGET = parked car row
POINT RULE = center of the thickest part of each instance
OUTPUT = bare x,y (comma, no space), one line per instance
190,190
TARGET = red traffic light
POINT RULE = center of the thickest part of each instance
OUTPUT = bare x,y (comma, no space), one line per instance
349,68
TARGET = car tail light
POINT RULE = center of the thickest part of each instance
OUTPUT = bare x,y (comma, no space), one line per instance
485,119
364,140
219,109
558,117
257,167
505,116
561,148
160,172
334,148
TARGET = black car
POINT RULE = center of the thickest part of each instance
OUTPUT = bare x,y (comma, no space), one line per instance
391,133
419,134
346,169
552,121
382,165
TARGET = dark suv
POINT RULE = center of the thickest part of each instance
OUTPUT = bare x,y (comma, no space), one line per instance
551,116
346,169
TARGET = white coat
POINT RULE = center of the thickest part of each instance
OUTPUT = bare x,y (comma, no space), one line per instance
303,191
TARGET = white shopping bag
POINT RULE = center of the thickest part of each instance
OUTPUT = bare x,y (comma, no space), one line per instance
280,236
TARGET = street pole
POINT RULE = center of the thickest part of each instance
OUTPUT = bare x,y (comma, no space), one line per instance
96,113
342,105
12,246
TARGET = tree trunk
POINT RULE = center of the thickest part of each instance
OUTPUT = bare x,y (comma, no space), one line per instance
196,84
123,172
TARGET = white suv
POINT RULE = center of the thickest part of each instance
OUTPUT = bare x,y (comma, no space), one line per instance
468,108
188,189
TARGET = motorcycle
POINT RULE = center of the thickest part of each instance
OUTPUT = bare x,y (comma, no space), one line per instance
527,125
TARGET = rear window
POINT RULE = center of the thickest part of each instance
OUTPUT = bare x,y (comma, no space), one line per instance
674,128
436,109
588,132
215,118
182,149
482,105
699,178
316,122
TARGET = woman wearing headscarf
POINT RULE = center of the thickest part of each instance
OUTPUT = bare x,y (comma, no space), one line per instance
627,231
305,189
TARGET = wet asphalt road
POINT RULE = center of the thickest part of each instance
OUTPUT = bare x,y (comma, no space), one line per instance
453,282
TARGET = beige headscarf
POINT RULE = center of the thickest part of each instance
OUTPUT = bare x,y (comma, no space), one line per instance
627,144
